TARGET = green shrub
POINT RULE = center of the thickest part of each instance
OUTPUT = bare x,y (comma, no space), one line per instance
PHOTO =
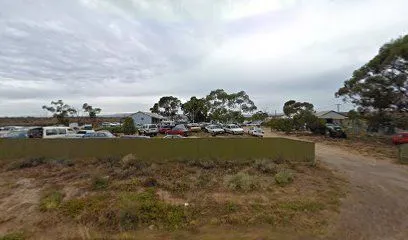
266,166
51,201
114,130
13,236
129,126
145,209
241,182
284,177
282,124
100,183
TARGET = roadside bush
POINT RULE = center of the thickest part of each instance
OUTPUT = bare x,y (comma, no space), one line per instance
282,125
13,236
51,201
114,130
100,183
265,166
111,161
129,126
27,163
145,209
241,182
284,177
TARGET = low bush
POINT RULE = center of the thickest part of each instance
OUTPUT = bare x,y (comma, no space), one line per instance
13,236
27,163
51,201
132,161
145,209
266,166
241,182
73,207
100,183
284,177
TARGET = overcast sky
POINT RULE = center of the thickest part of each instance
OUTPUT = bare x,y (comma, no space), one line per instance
123,55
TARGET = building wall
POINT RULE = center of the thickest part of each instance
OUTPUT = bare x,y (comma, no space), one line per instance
141,118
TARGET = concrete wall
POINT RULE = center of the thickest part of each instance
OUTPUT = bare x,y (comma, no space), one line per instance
161,149
141,118
403,153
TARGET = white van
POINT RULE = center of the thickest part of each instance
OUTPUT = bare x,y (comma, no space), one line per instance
50,132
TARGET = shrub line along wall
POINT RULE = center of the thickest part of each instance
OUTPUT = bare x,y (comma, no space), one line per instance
161,149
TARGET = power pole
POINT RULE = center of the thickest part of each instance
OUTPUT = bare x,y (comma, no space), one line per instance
338,107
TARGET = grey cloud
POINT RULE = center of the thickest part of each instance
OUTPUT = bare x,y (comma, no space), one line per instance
124,55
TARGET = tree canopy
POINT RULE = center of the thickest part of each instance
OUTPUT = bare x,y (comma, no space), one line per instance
167,106
226,107
380,87
196,109
61,111
92,112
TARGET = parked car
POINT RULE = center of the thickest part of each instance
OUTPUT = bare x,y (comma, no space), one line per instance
233,129
173,136
149,130
335,131
16,134
194,127
164,129
256,131
178,130
99,134
50,132
400,138
214,129
135,137
80,134
204,125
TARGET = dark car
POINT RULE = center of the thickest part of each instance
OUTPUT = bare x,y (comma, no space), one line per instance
178,130
335,131
400,138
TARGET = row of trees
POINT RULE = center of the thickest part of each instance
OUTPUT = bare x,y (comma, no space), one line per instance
62,111
218,106
380,88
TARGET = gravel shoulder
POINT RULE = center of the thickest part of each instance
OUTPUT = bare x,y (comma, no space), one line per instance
376,206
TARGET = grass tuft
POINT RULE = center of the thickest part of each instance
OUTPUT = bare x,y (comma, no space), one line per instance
266,166
51,201
241,182
13,236
284,177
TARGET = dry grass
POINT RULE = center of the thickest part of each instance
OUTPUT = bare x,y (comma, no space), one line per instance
130,198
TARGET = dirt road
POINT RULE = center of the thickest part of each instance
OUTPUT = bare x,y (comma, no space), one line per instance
376,206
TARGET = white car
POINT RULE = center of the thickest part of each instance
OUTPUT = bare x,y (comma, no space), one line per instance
149,130
233,129
214,129
51,132
256,131
80,133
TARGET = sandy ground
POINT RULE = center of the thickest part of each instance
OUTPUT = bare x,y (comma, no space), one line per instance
376,206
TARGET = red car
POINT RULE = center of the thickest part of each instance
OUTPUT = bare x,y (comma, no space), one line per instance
178,130
400,138
164,129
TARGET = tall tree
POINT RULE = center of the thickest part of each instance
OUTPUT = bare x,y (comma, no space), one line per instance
301,114
229,107
380,87
92,112
60,111
167,106
196,109
259,116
